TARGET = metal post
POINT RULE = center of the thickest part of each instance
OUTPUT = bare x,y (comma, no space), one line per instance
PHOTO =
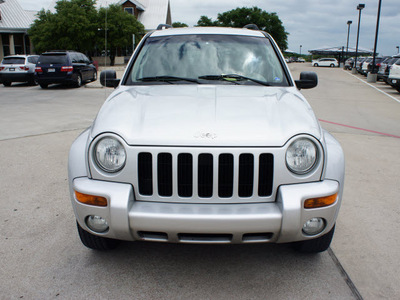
359,7
348,35
397,49
376,35
300,49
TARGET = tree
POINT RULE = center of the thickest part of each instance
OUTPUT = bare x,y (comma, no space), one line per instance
77,25
240,17
72,27
206,21
179,24
120,27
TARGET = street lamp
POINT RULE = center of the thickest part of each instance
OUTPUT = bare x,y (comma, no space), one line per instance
348,34
397,49
376,37
300,48
360,7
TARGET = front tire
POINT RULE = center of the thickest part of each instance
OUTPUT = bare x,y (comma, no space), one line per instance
7,83
96,242
315,65
43,85
317,245
94,76
332,65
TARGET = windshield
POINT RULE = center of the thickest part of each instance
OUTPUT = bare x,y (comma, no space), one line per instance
208,57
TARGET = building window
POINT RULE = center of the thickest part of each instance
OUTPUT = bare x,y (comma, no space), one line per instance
129,10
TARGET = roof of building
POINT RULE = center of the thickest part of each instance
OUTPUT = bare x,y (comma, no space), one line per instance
14,18
338,50
156,12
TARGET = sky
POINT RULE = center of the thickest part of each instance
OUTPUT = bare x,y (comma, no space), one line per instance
310,23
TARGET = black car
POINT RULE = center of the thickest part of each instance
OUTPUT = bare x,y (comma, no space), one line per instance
378,61
67,67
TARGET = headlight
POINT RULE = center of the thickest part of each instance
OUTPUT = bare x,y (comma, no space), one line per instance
301,156
110,154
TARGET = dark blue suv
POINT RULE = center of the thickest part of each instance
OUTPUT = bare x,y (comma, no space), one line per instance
67,67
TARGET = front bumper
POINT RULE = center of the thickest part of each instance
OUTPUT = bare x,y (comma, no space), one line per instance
280,221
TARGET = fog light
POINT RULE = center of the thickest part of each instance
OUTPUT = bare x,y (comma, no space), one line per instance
314,226
97,223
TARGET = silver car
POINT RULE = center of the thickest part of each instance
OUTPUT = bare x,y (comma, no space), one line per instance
206,139
18,68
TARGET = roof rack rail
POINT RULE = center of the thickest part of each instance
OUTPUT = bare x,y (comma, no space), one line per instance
163,26
251,26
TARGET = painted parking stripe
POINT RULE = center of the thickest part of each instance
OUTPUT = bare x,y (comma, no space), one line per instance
363,129
395,99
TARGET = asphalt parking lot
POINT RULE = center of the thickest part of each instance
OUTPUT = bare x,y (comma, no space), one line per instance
42,257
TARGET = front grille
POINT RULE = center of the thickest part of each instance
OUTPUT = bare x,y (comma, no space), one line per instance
205,175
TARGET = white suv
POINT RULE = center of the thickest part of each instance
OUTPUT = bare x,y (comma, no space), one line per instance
394,75
18,68
206,139
325,62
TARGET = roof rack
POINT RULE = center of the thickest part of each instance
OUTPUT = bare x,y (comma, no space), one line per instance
251,26
163,26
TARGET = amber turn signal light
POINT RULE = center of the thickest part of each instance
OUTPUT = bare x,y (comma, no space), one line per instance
90,199
320,201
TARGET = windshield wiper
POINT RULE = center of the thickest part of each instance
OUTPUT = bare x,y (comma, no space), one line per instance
167,78
232,78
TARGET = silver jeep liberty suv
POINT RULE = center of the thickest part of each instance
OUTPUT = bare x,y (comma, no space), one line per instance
206,139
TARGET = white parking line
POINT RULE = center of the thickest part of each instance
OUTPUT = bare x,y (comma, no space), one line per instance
395,99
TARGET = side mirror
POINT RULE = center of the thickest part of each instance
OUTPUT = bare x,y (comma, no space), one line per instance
108,78
308,80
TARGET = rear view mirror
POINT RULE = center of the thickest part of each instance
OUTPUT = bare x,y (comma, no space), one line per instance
308,80
108,78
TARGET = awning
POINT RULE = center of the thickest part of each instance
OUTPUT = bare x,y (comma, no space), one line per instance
340,50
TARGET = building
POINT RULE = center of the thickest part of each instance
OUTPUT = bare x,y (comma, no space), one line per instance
14,24
150,13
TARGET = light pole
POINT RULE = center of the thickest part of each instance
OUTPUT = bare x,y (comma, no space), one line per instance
348,34
397,49
359,8
300,49
376,39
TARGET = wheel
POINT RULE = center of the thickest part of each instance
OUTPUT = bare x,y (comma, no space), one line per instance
96,242
315,245
6,83
43,85
315,65
78,80
332,65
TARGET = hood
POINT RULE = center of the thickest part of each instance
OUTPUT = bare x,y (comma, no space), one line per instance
206,115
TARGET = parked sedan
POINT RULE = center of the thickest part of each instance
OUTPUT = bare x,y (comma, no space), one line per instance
18,68
359,62
325,62
348,65
66,67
